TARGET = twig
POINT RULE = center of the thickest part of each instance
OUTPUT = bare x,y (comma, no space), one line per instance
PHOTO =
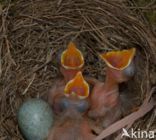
39,68
143,8
127,120
25,91
59,2
144,103
130,119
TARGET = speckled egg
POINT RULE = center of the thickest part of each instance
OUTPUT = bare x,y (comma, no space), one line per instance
35,118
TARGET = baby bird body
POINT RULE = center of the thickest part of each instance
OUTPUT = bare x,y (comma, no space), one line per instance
71,126
105,98
72,62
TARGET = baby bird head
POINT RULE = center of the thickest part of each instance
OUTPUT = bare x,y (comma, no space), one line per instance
120,63
77,87
72,58
72,61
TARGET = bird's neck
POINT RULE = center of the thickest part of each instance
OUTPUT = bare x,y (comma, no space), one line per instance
69,74
110,83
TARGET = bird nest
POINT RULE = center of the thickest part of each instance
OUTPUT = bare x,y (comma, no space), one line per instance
33,33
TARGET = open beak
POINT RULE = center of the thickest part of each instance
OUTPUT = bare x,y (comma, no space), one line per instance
77,87
72,58
119,60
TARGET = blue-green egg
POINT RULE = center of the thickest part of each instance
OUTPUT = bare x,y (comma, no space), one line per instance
35,118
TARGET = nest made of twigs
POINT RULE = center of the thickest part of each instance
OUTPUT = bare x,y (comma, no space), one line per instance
34,31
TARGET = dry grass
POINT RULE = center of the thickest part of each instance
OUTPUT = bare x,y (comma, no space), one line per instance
34,32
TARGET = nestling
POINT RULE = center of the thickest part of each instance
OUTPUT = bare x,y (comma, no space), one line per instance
76,92
105,99
72,62
71,126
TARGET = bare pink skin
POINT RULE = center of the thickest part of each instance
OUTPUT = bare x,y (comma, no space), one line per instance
69,74
57,91
55,94
71,127
105,102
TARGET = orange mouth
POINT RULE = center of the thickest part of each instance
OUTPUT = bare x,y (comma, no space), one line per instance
77,87
119,60
72,58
